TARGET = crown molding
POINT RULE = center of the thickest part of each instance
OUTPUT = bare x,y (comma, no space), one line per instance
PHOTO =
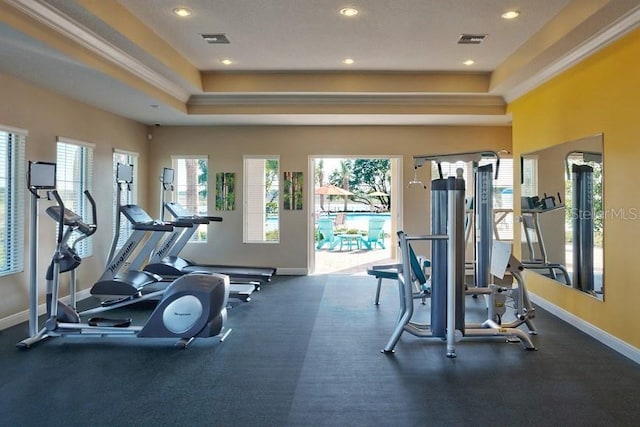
76,32
346,99
614,32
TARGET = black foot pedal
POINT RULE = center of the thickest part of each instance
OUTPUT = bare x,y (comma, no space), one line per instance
113,323
109,303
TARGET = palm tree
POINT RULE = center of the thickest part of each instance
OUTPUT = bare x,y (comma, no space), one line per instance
345,174
191,168
320,177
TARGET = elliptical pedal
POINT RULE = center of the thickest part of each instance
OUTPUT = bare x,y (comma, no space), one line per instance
113,323
110,302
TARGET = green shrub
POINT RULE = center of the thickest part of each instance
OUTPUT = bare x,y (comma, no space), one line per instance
273,235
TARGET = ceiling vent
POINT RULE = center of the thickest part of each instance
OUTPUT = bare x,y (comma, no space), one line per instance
215,38
471,38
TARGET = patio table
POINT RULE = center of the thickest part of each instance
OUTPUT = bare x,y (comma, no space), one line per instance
350,240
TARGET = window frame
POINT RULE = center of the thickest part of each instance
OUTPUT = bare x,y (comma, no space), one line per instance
85,182
251,229
128,197
201,235
502,207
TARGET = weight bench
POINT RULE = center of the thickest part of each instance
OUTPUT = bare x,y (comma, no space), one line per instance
391,271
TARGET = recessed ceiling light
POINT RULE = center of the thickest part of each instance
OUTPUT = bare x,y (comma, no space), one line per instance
348,61
182,12
510,14
469,62
226,62
348,11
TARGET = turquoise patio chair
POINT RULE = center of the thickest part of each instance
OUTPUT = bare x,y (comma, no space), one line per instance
375,234
325,234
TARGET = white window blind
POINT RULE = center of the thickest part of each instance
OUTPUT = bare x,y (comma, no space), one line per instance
128,195
12,191
450,169
261,200
502,190
502,198
74,175
529,177
190,188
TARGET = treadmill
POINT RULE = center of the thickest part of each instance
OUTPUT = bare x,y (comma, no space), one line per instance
140,219
165,262
117,283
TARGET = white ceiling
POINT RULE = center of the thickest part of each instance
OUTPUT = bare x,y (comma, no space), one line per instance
388,35
299,38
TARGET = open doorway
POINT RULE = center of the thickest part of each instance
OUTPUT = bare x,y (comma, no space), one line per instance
354,204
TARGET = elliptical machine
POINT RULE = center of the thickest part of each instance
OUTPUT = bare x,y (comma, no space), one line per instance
192,306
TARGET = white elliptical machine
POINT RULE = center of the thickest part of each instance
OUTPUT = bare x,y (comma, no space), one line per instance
192,306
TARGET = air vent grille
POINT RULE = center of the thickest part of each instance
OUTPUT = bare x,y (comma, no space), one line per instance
219,38
471,38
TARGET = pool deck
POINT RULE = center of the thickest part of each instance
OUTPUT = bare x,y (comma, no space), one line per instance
354,262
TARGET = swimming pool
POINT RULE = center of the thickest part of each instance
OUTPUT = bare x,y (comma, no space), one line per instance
360,220
352,220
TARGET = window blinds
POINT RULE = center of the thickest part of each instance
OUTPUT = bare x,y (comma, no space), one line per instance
74,174
261,199
128,197
12,192
191,188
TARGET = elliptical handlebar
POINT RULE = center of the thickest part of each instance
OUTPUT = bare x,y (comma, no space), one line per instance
61,214
94,215
66,217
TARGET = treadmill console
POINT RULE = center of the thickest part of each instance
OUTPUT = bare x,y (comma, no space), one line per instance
141,220
136,215
177,210
181,213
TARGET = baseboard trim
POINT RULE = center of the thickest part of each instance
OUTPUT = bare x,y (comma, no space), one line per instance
604,337
23,316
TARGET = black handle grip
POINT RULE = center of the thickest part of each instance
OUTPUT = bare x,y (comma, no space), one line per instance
92,202
60,220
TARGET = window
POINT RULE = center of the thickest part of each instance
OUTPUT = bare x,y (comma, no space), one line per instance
529,177
74,174
12,190
503,199
190,188
128,195
261,200
502,191
450,169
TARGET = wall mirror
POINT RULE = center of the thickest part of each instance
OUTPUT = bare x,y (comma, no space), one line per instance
562,218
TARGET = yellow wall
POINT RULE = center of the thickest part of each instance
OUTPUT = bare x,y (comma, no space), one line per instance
599,95
225,147
45,116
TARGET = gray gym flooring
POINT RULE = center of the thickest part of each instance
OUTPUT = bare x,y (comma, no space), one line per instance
306,352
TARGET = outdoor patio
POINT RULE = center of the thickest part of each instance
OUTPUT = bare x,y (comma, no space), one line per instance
350,262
